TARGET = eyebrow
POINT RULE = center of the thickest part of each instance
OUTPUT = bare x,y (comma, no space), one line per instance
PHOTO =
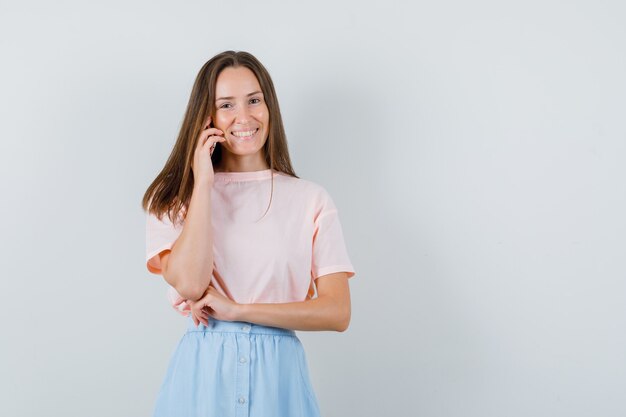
230,98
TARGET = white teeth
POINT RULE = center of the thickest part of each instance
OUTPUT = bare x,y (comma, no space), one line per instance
244,134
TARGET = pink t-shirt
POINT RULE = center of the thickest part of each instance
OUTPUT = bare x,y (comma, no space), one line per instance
273,260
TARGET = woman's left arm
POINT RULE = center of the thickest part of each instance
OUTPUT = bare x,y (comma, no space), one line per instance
330,310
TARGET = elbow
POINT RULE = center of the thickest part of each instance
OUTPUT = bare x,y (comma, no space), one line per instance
188,289
190,292
342,321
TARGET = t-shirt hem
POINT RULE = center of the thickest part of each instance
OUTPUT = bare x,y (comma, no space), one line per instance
335,268
155,267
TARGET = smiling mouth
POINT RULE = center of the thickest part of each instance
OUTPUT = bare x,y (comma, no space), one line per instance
245,134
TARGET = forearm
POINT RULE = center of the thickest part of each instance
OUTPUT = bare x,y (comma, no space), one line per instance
190,264
321,313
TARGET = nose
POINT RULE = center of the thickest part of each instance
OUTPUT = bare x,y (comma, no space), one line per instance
243,115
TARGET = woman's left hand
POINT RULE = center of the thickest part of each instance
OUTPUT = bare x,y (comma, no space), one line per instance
215,305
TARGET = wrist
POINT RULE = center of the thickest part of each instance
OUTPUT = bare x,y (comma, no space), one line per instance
242,312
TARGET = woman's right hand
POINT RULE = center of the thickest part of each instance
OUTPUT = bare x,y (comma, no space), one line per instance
202,166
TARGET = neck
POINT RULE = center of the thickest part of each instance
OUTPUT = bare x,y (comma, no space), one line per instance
241,164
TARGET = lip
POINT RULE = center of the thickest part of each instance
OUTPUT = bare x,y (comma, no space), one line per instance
246,138
244,130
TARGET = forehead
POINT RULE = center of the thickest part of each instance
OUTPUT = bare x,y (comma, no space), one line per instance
236,82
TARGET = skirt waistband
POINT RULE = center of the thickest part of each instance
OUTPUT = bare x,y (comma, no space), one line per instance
236,327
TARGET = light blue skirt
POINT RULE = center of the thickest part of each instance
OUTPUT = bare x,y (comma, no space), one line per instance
237,369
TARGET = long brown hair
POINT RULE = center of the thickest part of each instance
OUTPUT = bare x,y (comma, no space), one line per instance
171,190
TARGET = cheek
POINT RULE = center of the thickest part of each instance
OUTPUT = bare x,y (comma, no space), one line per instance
264,116
221,121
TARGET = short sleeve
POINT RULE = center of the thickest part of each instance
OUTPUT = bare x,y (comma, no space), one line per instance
160,235
329,249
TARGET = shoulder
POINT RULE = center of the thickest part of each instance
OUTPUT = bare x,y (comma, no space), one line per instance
304,187
314,194
162,220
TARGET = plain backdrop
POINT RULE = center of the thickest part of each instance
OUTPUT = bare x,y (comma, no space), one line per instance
475,151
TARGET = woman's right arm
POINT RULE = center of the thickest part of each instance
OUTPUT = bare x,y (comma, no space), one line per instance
188,267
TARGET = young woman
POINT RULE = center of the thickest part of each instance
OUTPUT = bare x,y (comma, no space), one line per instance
251,253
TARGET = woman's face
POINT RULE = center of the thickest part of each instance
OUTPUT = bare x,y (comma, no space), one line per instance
241,112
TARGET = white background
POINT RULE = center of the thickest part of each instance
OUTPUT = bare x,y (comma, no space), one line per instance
475,150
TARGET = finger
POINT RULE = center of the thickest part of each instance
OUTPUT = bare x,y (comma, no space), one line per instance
214,145
195,320
206,132
210,136
214,131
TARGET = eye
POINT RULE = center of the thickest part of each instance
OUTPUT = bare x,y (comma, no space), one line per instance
258,100
223,106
